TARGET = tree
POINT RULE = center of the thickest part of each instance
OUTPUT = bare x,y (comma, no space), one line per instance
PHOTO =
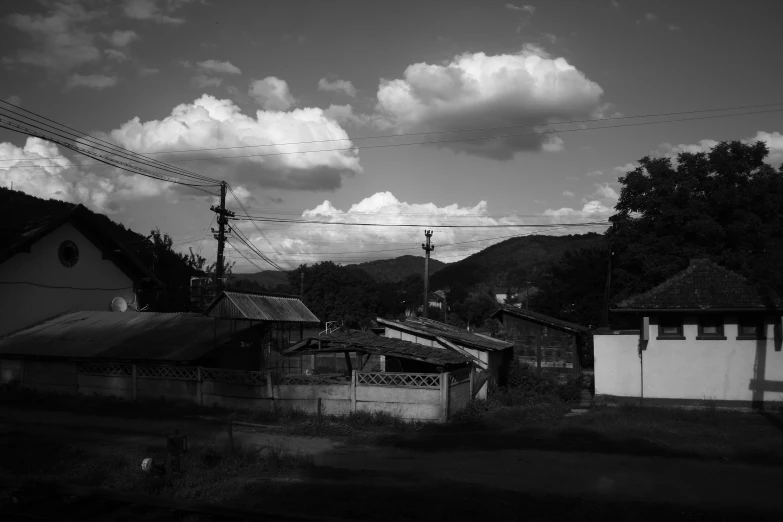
726,205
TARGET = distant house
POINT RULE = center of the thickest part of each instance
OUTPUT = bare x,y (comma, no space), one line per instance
542,341
62,262
437,300
521,295
706,333
491,355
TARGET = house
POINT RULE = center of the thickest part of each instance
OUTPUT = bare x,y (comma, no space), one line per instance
489,354
706,333
542,341
437,299
62,261
521,295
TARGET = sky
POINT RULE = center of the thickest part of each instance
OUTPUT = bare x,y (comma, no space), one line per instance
358,80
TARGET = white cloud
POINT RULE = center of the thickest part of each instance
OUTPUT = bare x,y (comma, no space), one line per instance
550,37
593,209
14,100
92,81
38,168
212,123
344,114
476,90
122,38
774,141
624,169
568,193
305,243
605,192
219,67
61,39
342,86
673,28
158,11
595,173
650,17
615,3
524,8
116,55
272,94
202,81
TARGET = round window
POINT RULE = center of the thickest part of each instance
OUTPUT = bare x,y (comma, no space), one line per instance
69,253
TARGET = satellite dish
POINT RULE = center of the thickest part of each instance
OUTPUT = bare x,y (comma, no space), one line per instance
118,304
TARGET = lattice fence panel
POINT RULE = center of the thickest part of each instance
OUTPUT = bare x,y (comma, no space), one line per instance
407,380
233,376
184,373
114,370
459,376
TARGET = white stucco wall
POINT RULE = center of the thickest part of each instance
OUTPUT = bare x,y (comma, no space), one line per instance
22,305
690,368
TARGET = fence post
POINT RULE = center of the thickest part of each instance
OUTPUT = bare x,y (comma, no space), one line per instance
199,386
353,391
472,382
134,378
270,390
444,397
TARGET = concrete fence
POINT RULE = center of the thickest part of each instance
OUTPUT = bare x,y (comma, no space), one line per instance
413,396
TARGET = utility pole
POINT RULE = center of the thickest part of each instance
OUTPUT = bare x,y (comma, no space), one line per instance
301,286
427,249
220,234
446,291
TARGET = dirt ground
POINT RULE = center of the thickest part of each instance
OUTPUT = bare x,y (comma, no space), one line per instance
690,483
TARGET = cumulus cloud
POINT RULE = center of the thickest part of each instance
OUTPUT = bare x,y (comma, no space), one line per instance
307,243
158,11
116,55
552,39
92,81
14,100
598,205
595,173
342,86
202,81
476,90
272,94
61,40
650,17
568,193
39,168
212,123
344,114
524,8
624,169
122,38
219,67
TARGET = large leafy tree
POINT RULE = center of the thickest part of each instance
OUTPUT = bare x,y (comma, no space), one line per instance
726,204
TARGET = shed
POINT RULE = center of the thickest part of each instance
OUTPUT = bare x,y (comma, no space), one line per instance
543,341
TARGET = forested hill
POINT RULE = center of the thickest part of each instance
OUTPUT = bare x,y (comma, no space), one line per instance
512,261
397,269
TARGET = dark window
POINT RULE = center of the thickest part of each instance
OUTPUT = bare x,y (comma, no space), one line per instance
750,327
68,253
711,327
670,326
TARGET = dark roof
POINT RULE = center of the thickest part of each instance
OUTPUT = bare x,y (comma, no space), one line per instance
535,317
19,232
704,285
448,332
260,307
120,336
358,341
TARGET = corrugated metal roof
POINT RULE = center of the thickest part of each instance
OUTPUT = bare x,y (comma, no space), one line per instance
451,333
115,335
355,340
541,319
259,307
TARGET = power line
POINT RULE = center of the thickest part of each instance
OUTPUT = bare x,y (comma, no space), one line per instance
478,138
62,287
474,129
303,222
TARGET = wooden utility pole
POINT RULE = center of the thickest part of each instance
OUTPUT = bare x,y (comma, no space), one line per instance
427,249
220,234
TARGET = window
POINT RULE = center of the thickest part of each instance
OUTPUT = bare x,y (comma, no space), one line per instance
750,327
670,327
711,327
68,253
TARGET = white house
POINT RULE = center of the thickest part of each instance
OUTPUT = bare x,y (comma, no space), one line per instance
65,262
706,333
493,356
